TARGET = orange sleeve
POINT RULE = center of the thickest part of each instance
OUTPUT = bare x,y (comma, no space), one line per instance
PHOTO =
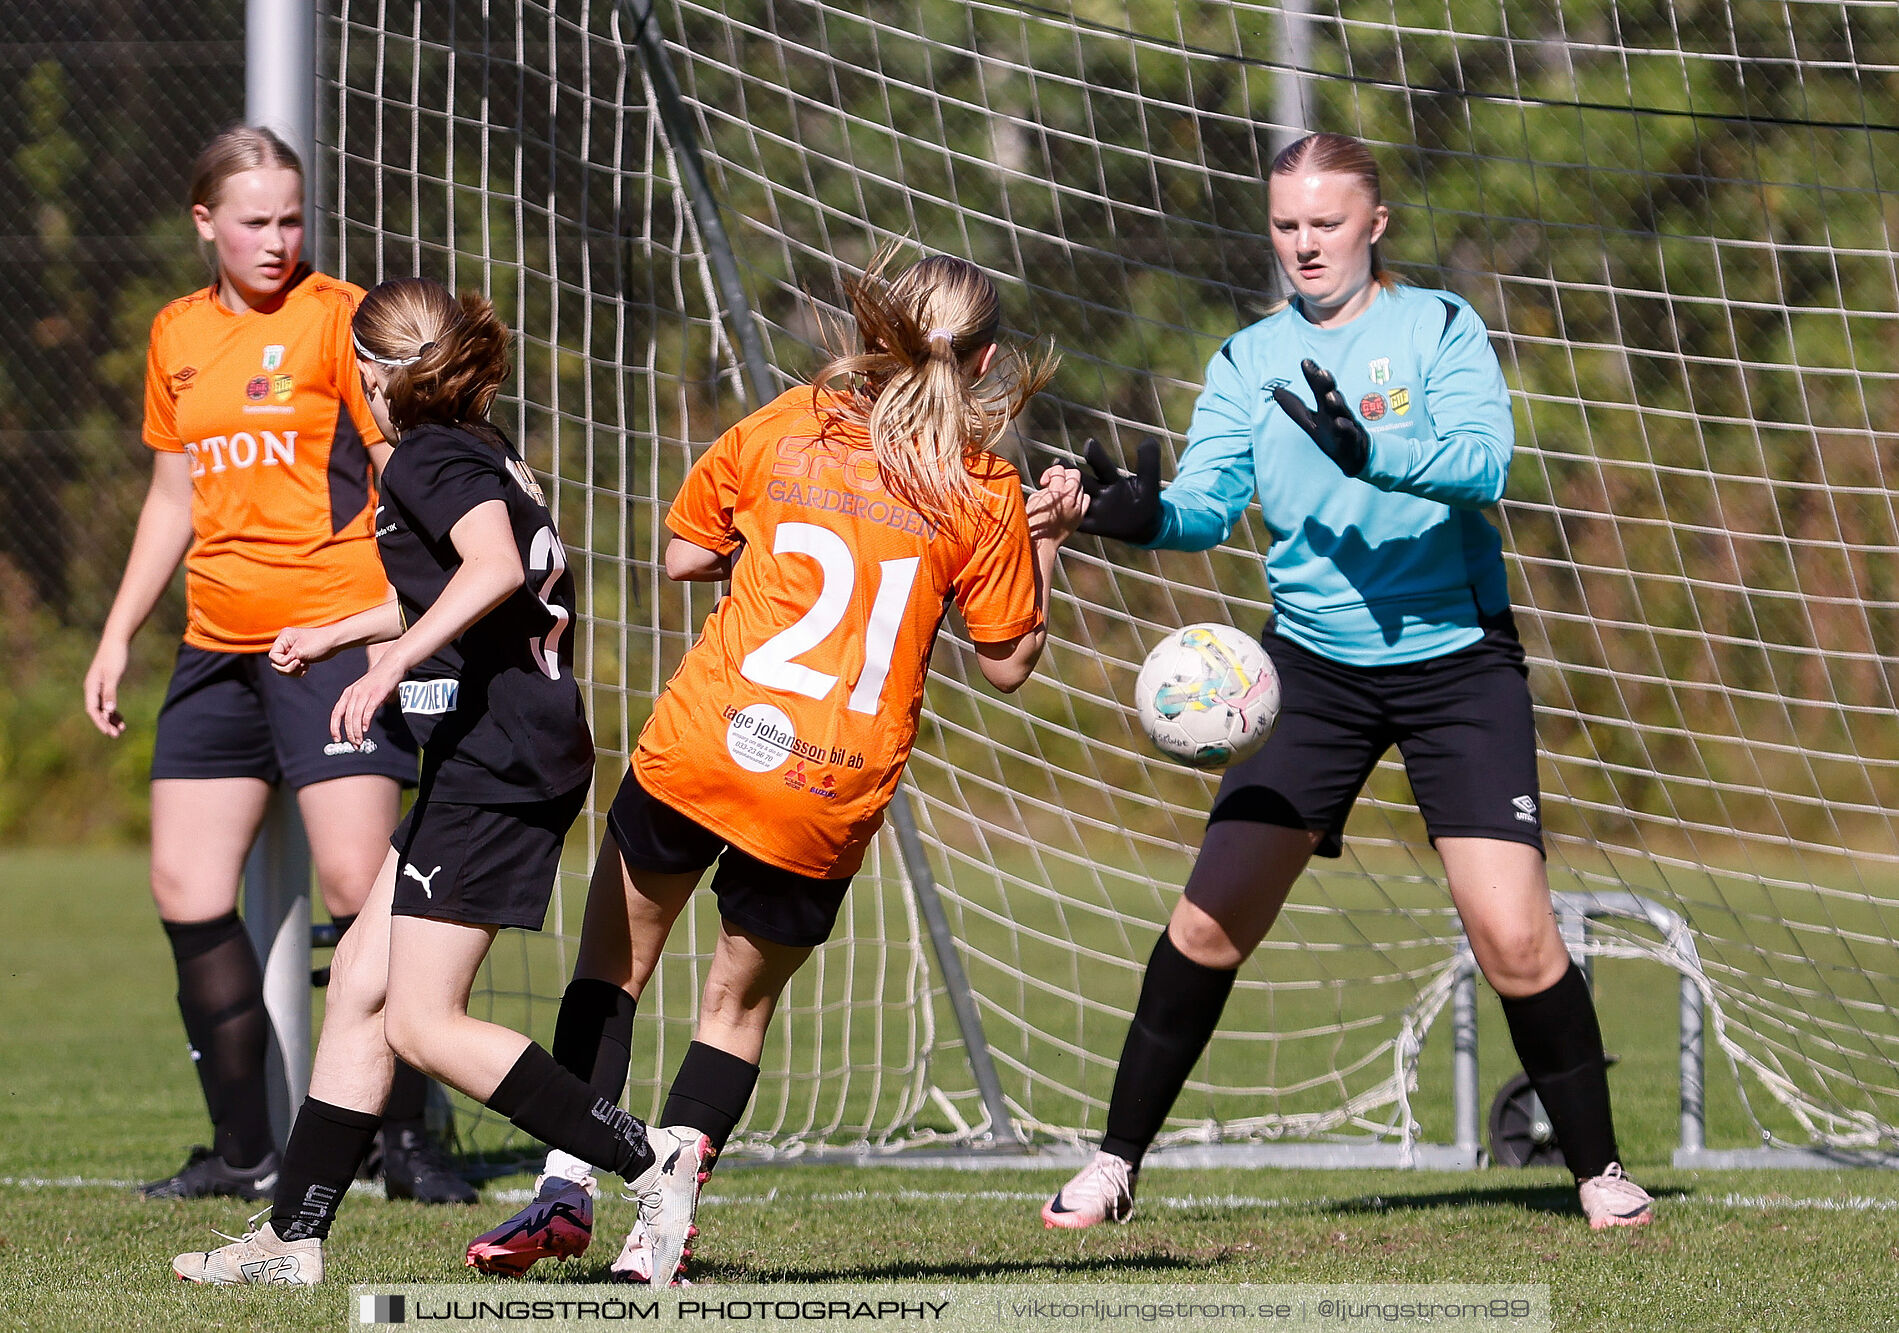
161,404
349,380
996,590
702,511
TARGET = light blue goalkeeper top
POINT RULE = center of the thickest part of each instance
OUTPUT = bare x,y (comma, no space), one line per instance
1398,564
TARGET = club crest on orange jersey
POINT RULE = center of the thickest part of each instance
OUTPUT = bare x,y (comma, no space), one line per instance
282,387
258,389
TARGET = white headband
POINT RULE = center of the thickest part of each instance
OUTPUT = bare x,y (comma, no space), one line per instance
365,354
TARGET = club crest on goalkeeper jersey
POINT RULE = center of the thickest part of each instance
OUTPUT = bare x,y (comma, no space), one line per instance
787,725
269,408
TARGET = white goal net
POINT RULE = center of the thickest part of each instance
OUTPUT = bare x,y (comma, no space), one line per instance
1677,220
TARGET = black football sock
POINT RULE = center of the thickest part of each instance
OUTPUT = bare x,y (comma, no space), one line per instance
326,1146
221,997
593,1035
710,1092
408,1098
1179,1008
1560,1044
409,1089
557,1108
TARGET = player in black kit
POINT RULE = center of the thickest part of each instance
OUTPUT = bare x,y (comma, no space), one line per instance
482,606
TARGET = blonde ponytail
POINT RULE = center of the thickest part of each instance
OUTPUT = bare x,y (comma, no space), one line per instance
928,404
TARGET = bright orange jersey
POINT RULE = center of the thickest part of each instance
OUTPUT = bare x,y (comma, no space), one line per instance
786,727
270,411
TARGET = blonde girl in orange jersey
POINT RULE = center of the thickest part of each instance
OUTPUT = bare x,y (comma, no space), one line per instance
848,515
262,485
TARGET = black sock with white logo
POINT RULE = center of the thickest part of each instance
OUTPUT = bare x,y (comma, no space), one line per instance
221,998
1180,1005
559,1109
593,1035
326,1146
710,1092
1560,1044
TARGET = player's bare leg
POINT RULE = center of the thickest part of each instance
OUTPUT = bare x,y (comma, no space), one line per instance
348,820
348,1084
628,917
202,830
1502,892
747,976
1239,883
427,1018
353,1063
1238,886
624,929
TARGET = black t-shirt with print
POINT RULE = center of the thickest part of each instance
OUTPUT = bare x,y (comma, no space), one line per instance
497,711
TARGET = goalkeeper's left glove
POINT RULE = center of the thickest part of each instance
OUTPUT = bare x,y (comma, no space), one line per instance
1333,427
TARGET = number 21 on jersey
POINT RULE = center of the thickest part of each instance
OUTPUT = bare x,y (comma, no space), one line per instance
771,665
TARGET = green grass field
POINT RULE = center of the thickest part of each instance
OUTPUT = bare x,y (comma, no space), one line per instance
97,1092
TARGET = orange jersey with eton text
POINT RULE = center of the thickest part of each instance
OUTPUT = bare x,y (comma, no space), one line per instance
269,409
787,725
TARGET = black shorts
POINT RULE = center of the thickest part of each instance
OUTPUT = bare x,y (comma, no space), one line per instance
487,865
781,905
1463,722
229,715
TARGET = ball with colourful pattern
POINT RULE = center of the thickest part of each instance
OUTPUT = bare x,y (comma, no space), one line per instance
1207,695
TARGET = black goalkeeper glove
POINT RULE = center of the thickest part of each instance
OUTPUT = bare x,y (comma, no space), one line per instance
1121,506
1333,428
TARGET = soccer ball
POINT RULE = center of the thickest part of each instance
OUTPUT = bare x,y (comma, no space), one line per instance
1207,695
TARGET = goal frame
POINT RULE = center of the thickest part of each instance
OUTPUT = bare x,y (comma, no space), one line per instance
281,86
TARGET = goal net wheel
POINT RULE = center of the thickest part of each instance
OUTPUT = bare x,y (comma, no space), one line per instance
1520,1133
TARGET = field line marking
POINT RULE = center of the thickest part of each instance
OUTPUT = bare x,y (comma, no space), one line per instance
1856,1203
1765,1203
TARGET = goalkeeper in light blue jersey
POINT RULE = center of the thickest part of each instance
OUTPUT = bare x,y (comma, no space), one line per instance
1372,422
1393,561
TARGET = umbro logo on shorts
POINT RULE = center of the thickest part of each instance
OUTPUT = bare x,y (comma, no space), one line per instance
344,747
1526,808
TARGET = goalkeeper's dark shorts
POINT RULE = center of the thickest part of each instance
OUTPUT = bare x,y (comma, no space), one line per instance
1463,723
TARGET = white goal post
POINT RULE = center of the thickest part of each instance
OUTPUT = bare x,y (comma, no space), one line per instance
1677,225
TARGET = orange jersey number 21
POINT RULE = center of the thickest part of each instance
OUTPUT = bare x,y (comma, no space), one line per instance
771,664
